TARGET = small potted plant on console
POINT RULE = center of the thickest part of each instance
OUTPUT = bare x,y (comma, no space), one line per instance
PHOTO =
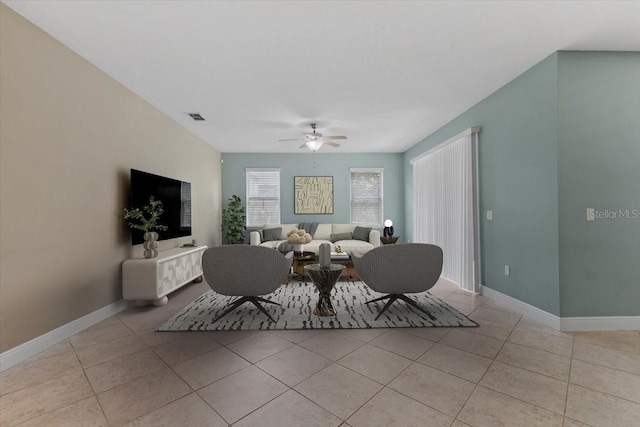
146,220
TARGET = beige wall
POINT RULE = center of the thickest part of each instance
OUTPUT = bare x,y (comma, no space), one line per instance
68,136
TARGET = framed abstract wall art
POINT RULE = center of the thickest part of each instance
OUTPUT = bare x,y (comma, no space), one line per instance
313,195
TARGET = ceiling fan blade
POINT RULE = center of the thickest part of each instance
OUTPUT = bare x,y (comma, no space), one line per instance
331,143
335,137
294,139
303,145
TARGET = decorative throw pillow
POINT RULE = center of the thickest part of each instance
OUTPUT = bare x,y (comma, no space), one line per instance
309,227
272,234
361,233
341,236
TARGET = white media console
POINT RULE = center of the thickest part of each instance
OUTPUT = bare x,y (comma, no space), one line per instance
152,279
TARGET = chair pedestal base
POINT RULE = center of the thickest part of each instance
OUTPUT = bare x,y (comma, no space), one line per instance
255,300
392,298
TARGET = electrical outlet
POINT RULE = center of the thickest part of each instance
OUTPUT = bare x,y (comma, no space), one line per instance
507,270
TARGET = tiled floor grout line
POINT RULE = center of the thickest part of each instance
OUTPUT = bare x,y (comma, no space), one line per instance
132,327
421,403
512,397
286,391
403,394
149,348
292,388
606,366
519,399
493,359
605,393
358,373
256,409
206,403
566,397
529,370
577,338
25,363
195,391
154,372
383,385
94,395
400,373
84,373
333,362
535,348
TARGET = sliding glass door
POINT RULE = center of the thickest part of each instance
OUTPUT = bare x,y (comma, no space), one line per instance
445,208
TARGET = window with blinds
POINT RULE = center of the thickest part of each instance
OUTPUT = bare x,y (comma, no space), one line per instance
366,196
263,197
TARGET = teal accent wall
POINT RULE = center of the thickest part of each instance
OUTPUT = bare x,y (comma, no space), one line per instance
599,168
562,137
319,164
518,180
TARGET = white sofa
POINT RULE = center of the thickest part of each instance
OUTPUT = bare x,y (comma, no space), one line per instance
322,235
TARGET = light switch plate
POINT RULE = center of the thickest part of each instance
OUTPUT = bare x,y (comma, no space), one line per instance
489,215
507,270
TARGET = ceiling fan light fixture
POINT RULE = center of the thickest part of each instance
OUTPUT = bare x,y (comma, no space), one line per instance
314,140
314,145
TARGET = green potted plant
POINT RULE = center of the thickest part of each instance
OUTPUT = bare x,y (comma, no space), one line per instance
146,219
233,221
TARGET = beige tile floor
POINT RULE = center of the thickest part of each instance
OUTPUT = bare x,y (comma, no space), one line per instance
511,371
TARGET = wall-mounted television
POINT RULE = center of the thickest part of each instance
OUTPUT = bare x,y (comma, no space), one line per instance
176,202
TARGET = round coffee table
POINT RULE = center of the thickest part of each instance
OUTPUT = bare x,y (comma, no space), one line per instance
324,279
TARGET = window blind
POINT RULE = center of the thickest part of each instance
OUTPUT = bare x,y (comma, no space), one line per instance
263,197
366,196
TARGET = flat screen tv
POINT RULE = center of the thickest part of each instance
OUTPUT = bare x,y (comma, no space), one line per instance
176,202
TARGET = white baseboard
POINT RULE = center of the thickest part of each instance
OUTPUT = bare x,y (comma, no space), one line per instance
523,308
22,352
565,324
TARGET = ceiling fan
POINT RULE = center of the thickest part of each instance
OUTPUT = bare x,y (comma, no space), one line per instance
314,140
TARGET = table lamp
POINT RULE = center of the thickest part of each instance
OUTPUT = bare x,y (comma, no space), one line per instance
388,228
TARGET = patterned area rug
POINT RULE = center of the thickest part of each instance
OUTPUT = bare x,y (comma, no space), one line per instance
298,300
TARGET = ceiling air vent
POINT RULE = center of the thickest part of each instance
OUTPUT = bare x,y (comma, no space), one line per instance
196,116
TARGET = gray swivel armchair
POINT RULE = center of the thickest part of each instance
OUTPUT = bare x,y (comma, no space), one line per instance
246,272
400,269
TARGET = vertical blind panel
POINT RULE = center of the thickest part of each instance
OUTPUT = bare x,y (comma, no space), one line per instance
263,197
443,207
366,198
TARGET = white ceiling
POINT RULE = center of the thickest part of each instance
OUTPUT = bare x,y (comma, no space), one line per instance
386,74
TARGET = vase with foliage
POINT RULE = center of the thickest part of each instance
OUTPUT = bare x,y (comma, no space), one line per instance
233,221
146,219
